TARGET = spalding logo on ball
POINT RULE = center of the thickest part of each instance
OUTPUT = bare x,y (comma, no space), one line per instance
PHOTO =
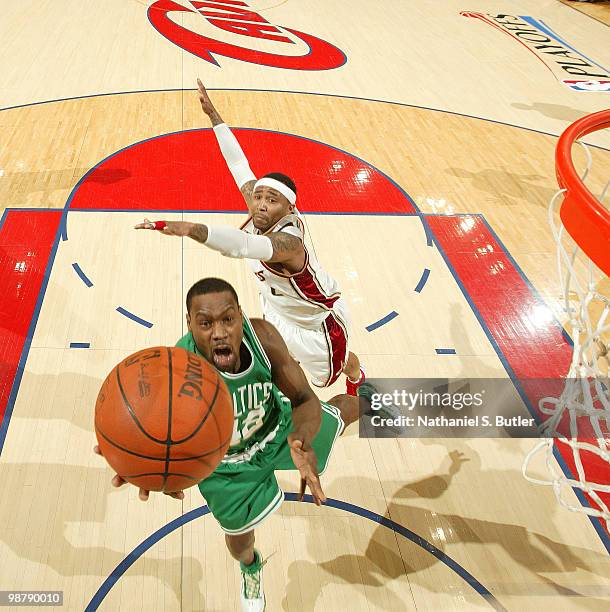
164,419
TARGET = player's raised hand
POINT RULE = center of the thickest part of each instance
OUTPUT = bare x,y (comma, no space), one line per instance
305,460
143,494
206,103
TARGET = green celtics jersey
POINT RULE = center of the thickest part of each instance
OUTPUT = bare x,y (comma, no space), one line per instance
261,409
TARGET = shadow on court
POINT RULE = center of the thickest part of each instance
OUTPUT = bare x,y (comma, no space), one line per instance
509,187
49,188
53,506
65,518
547,567
553,111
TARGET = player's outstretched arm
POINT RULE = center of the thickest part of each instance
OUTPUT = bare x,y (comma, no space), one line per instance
229,147
279,247
306,410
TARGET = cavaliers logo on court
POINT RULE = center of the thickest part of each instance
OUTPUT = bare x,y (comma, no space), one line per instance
569,66
208,27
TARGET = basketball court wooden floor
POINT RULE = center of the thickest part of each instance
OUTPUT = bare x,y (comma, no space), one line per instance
434,224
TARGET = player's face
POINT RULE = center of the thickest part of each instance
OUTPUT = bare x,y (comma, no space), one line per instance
269,206
215,321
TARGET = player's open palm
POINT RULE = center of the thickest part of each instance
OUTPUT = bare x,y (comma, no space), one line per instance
143,494
305,460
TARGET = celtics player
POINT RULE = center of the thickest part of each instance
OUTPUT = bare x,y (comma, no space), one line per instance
279,423
298,296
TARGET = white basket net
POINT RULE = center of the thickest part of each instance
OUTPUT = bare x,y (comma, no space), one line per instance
583,408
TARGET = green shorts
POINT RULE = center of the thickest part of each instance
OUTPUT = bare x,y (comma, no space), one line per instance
242,495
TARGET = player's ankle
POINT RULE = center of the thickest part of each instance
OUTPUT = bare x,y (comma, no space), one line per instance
358,378
254,565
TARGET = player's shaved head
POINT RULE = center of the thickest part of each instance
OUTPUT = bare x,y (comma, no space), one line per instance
209,285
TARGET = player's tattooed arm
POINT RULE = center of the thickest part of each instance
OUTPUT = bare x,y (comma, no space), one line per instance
247,189
287,249
198,232
279,247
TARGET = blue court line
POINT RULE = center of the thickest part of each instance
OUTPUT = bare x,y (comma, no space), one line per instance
423,280
79,345
346,213
567,337
134,317
416,211
595,521
304,93
152,539
382,321
597,525
82,275
10,403
454,214
524,277
138,551
244,129
63,226
445,351
427,228
158,210
17,381
31,209
243,212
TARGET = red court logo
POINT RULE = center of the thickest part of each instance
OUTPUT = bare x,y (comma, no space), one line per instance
237,17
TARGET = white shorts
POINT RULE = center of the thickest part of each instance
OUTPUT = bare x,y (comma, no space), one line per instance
322,352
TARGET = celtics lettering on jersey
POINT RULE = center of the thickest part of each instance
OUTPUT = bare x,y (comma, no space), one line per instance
260,408
250,402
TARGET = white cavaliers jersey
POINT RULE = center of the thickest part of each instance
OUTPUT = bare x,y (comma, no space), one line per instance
305,297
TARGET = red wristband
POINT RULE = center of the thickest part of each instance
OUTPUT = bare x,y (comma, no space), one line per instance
160,225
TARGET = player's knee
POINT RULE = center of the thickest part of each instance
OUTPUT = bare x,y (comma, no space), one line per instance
353,363
352,366
348,407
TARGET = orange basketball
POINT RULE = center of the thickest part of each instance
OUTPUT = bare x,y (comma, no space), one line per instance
164,419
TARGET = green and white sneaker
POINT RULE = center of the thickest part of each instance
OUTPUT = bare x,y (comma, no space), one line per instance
252,593
388,413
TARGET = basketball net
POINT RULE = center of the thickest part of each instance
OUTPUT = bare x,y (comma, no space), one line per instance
583,408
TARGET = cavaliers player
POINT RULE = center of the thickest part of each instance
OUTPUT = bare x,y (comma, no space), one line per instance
298,296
